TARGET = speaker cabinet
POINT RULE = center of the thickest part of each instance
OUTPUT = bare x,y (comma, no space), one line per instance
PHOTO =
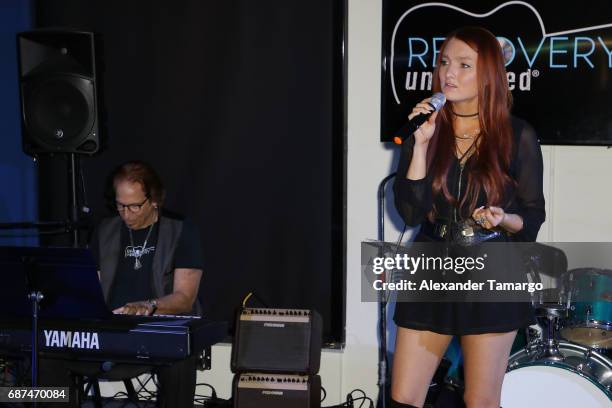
258,390
277,341
59,97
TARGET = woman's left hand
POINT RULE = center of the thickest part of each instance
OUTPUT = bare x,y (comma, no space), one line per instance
489,217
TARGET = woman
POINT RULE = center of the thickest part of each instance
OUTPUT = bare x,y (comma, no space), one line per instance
470,162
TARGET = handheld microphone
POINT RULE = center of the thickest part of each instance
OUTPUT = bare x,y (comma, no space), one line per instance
437,102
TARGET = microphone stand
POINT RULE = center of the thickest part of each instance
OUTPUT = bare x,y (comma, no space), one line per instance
35,297
382,322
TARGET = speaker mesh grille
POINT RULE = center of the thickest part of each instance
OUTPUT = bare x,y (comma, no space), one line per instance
59,111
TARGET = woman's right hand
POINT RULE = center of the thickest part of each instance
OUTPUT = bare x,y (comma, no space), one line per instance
423,134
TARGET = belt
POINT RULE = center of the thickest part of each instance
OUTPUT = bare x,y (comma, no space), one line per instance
460,232
435,230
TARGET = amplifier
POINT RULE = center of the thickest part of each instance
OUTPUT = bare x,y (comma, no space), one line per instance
259,390
277,341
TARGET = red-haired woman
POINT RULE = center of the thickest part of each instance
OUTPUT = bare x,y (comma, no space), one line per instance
473,162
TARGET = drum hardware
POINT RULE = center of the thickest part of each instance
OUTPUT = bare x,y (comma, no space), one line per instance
549,318
589,310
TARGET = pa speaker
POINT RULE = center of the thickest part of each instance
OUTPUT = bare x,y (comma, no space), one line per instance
258,390
277,341
59,97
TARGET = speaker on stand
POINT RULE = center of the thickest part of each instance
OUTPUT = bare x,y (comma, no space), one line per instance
59,102
57,77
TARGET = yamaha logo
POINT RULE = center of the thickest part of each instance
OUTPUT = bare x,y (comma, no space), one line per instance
73,340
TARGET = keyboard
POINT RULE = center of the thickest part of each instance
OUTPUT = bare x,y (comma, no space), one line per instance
121,338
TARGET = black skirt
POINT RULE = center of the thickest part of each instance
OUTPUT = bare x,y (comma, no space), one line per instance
462,318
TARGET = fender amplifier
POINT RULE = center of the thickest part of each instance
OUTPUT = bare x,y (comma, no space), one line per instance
277,341
258,390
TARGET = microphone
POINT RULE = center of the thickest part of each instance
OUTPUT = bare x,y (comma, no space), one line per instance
437,102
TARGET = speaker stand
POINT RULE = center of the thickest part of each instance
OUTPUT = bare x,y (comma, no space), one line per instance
74,211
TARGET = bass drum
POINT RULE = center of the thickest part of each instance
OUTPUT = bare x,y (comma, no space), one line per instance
583,379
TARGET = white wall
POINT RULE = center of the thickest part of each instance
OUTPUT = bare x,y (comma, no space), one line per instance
577,185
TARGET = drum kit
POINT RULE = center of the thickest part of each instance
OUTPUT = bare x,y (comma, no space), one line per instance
567,360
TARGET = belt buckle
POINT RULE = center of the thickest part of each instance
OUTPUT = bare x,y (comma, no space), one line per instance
467,231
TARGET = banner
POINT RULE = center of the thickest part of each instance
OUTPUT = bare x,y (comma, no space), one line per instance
558,62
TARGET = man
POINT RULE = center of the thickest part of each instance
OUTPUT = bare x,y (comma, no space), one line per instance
141,246
148,264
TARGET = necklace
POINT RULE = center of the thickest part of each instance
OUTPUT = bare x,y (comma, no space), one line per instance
461,115
139,252
468,135
464,154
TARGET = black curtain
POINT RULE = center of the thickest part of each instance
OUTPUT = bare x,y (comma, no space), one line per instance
240,107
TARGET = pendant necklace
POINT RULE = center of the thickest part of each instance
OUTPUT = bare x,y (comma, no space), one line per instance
468,135
139,252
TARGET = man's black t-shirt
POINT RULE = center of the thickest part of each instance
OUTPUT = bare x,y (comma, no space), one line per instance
135,284
131,283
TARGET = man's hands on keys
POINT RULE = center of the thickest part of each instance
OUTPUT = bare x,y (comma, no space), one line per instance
142,308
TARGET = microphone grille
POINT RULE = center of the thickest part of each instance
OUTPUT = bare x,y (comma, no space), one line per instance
438,100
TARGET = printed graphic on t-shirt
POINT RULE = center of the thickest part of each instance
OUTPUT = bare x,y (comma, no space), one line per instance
137,251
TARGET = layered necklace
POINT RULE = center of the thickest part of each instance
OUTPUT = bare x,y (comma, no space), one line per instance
140,252
467,136
470,135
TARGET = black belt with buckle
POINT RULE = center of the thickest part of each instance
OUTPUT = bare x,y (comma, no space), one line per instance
462,233
435,230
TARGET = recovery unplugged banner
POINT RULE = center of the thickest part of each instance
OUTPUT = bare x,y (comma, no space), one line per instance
558,61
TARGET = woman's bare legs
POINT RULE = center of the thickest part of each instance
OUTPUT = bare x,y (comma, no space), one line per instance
417,355
485,358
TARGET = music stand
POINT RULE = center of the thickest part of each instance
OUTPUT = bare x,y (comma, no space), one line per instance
49,283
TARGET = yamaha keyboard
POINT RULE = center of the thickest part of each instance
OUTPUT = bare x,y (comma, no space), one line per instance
121,338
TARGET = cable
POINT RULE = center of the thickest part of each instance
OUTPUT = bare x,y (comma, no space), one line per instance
252,294
246,298
324,394
363,398
213,394
143,392
351,400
